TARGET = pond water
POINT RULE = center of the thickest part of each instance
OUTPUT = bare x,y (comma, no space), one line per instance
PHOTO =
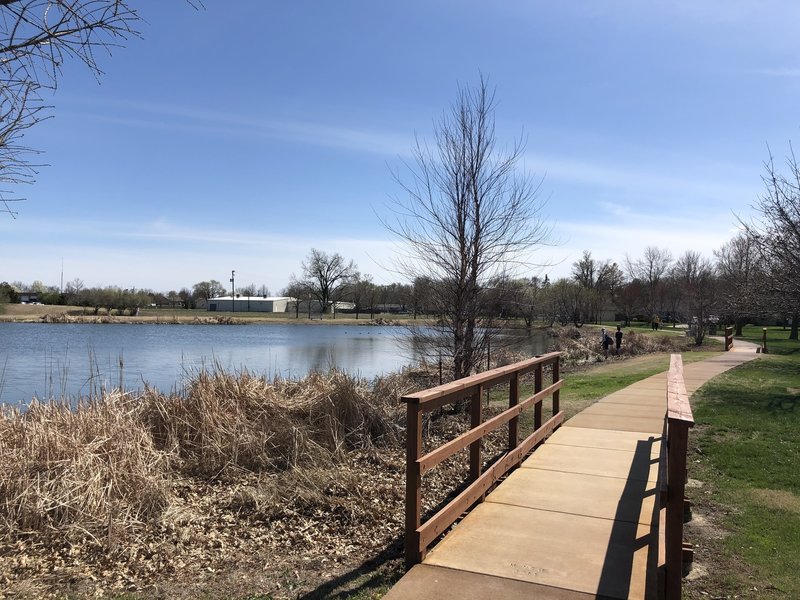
70,360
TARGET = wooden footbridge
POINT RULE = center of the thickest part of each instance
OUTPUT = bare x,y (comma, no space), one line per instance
596,511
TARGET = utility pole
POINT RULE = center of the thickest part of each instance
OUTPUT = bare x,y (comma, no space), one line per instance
233,292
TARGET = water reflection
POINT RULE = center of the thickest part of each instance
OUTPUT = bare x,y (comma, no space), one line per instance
67,360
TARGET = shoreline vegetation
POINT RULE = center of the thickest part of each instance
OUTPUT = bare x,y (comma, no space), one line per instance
243,486
33,313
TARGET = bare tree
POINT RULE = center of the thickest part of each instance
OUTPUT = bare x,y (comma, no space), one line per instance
628,298
247,290
300,291
327,276
741,279
36,38
697,277
776,234
598,279
650,270
469,216
361,291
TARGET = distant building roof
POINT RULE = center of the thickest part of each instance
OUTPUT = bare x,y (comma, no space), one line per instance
245,298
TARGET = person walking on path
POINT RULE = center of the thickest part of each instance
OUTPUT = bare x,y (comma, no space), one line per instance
617,339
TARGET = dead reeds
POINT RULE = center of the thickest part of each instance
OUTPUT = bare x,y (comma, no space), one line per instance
89,470
105,465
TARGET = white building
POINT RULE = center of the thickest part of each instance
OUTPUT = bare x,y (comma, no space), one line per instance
274,304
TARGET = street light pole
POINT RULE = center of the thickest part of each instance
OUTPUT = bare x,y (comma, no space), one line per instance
233,293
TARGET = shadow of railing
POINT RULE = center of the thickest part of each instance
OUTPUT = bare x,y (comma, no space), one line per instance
624,541
369,575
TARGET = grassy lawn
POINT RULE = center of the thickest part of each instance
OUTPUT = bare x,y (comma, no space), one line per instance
778,341
746,454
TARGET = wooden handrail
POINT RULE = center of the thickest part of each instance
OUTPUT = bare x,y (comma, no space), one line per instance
418,535
678,421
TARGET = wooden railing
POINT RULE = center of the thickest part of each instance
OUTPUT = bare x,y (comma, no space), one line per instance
728,338
679,420
420,535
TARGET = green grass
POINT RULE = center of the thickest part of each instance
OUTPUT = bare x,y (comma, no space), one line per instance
778,341
748,441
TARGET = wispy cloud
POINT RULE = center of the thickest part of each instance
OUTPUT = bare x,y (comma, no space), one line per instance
211,122
788,72
641,181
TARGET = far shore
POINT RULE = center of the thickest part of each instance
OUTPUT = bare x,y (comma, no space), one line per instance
41,313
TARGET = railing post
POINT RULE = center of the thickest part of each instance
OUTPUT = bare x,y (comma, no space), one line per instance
557,393
414,554
537,387
513,400
678,436
476,418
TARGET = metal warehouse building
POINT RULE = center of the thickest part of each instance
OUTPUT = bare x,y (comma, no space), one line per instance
276,304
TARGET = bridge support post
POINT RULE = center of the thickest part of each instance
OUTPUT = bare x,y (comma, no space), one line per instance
413,483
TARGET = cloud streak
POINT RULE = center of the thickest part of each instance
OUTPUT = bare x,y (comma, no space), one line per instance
213,123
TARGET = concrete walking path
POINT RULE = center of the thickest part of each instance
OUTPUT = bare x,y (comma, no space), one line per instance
579,519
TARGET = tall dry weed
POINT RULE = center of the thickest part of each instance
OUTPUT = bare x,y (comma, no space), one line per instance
227,421
92,469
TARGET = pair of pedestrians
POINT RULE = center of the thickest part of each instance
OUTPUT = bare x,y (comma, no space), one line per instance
606,341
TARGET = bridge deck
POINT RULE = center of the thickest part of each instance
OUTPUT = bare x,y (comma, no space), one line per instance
579,519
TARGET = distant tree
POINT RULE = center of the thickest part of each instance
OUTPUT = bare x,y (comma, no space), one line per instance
741,279
187,298
650,270
361,291
8,294
568,297
629,298
74,288
470,215
421,295
598,279
522,299
673,295
247,290
208,289
327,276
776,234
301,291
174,298
697,277
263,291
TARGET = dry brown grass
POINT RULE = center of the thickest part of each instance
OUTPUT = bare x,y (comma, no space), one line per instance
151,488
582,346
92,470
229,421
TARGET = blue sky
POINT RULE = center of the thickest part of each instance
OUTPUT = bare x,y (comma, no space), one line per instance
242,135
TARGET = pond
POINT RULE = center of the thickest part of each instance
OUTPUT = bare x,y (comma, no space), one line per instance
69,360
